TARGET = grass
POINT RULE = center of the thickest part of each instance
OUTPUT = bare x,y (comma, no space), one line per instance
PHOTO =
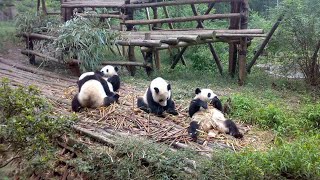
7,34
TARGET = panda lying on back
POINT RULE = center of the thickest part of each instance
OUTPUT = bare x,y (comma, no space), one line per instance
157,98
93,92
206,118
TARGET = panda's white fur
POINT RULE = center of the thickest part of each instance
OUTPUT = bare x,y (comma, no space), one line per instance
157,98
109,71
163,95
206,118
94,91
85,74
110,86
92,94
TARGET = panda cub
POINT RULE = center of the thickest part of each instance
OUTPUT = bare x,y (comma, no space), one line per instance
206,118
93,93
109,73
157,98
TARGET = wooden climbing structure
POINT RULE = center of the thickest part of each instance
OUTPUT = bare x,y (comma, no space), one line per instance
157,37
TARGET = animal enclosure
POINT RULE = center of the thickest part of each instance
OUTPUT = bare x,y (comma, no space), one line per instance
161,33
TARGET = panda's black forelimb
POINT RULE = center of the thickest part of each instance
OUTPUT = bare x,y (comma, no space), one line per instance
233,129
75,104
143,106
217,103
171,108
193,130
195,106
111,99
115,81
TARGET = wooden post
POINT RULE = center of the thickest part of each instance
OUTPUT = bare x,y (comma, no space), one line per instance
176,60
234,24
29,46
38,6
148,17
166,13
148,57
215,57
243,43
132,58
44,8
264,43
157,59
194,10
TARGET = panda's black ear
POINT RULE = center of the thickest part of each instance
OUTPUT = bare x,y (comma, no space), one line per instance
169,87
156,90
198,91
116,69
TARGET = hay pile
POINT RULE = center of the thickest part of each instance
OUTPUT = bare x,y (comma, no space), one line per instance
172,130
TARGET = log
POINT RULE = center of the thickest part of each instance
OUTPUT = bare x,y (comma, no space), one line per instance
141,42
30,52
189,38
239,35
38,36
118,16
182,19
174,3
96,136
170,41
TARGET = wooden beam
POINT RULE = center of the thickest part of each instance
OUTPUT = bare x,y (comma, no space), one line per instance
183,19
118,16
166,13
216,58
31,52
176,60
148,17
36,36
137,42
174,3
264,43
195,13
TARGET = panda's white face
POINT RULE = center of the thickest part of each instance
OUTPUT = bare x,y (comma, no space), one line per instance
160,90
204,94
109,71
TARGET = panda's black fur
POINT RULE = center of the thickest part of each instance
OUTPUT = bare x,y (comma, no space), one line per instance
109,97
115,81
99,77
196,105
156,108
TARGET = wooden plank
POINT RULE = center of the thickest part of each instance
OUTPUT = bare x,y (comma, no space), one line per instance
183,19
176,2
102,15
139,42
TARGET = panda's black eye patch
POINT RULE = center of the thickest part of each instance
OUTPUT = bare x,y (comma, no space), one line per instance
209,95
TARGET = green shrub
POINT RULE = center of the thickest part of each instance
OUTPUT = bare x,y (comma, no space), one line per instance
296,160
83,39
312,114
29,124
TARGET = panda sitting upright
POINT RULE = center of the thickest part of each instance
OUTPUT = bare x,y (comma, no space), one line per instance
94,92
157,98
206,118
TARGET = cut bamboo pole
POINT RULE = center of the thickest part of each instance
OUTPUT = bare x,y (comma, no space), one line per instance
183,19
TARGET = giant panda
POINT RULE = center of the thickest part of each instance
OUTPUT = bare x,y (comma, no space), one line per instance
93,93
157,98
205,118
109,73
113,77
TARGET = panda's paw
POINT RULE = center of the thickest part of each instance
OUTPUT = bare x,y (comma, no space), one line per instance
172,111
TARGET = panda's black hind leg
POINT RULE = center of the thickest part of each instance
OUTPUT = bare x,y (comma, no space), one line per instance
233,129
75,104
171,109
192,130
